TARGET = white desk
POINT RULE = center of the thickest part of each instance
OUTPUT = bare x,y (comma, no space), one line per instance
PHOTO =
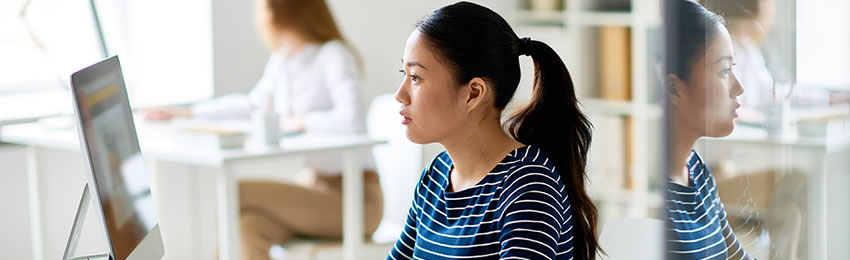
752,149
157,143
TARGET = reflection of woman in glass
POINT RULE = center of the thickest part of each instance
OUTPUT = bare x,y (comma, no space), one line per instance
779,192
749,21
702,92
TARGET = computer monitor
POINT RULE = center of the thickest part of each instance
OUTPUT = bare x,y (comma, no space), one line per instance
117,176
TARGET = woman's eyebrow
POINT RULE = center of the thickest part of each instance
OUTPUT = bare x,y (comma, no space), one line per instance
413,64
727,57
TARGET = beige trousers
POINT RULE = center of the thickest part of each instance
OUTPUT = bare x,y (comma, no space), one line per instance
782,195
274,212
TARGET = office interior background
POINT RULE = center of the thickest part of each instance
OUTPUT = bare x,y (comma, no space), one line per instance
178,52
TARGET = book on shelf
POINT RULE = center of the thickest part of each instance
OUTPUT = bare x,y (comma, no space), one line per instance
607,159
628,139
615,63
610,5
543,5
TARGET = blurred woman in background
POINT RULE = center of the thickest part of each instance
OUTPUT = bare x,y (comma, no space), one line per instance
312,80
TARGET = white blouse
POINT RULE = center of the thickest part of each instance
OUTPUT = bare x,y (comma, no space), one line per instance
319,83
758,83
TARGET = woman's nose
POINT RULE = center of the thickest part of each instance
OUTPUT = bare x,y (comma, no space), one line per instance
401,95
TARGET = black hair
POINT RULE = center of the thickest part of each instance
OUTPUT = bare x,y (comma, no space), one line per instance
690,29
475,42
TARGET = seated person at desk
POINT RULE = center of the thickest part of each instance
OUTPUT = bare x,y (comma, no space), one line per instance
312,78
749,22
512,190
702,90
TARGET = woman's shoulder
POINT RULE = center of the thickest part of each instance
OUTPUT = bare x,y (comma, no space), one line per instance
528,157
337,57
335,49
437,168
527,165
698,167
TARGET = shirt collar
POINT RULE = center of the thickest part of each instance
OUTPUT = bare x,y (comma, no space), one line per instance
301,56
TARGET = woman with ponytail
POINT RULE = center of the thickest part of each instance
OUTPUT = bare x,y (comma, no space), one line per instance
501,190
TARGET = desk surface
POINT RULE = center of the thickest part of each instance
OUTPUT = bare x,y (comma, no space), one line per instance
164,142
757,135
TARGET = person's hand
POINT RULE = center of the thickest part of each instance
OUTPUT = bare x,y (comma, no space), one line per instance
292,125
839,97
166,113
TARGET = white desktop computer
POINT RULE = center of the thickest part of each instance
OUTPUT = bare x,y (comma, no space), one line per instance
118,182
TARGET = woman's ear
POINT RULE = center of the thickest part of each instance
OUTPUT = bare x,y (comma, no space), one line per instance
475,93
673,87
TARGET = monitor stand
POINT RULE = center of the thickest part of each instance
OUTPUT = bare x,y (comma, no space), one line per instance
76,230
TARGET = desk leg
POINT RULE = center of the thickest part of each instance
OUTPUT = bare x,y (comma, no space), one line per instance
352,205
228,213
818,210
34,202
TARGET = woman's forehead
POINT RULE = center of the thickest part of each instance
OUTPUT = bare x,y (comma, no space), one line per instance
720,48
415,51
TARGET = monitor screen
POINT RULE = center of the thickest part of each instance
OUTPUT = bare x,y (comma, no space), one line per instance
118,170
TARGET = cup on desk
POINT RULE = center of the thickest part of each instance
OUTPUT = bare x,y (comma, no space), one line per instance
778,117
265,129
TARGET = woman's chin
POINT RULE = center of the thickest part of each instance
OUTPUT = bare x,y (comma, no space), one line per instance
721,130
415,138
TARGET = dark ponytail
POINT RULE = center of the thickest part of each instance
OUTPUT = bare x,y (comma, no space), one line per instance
475,41
554,122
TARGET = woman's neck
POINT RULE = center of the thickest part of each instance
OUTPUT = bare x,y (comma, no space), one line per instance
293,42
683,143
476,151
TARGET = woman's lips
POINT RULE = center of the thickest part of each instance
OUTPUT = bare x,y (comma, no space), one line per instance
405,120
735,111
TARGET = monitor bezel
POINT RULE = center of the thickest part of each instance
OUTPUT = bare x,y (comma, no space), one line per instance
152,240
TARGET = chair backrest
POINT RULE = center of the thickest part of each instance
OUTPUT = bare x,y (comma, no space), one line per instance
399,163
635,238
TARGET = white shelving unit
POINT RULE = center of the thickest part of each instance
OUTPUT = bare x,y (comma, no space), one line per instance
572,31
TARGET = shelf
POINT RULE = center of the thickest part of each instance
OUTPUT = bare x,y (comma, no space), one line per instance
541,18
576,29
597,18
618,108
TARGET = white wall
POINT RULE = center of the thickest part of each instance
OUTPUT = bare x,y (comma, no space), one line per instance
238,53
14,221
379,30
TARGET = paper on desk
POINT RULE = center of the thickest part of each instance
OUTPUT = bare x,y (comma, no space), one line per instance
221,127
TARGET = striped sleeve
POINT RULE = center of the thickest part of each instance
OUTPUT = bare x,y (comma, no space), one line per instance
403,248
533,214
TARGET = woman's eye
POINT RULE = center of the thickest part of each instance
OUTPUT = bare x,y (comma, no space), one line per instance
725,72
414,78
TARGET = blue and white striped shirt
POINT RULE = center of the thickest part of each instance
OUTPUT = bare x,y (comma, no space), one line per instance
517,211
697,226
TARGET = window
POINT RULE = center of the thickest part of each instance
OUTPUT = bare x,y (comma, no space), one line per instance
43,41
165,47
